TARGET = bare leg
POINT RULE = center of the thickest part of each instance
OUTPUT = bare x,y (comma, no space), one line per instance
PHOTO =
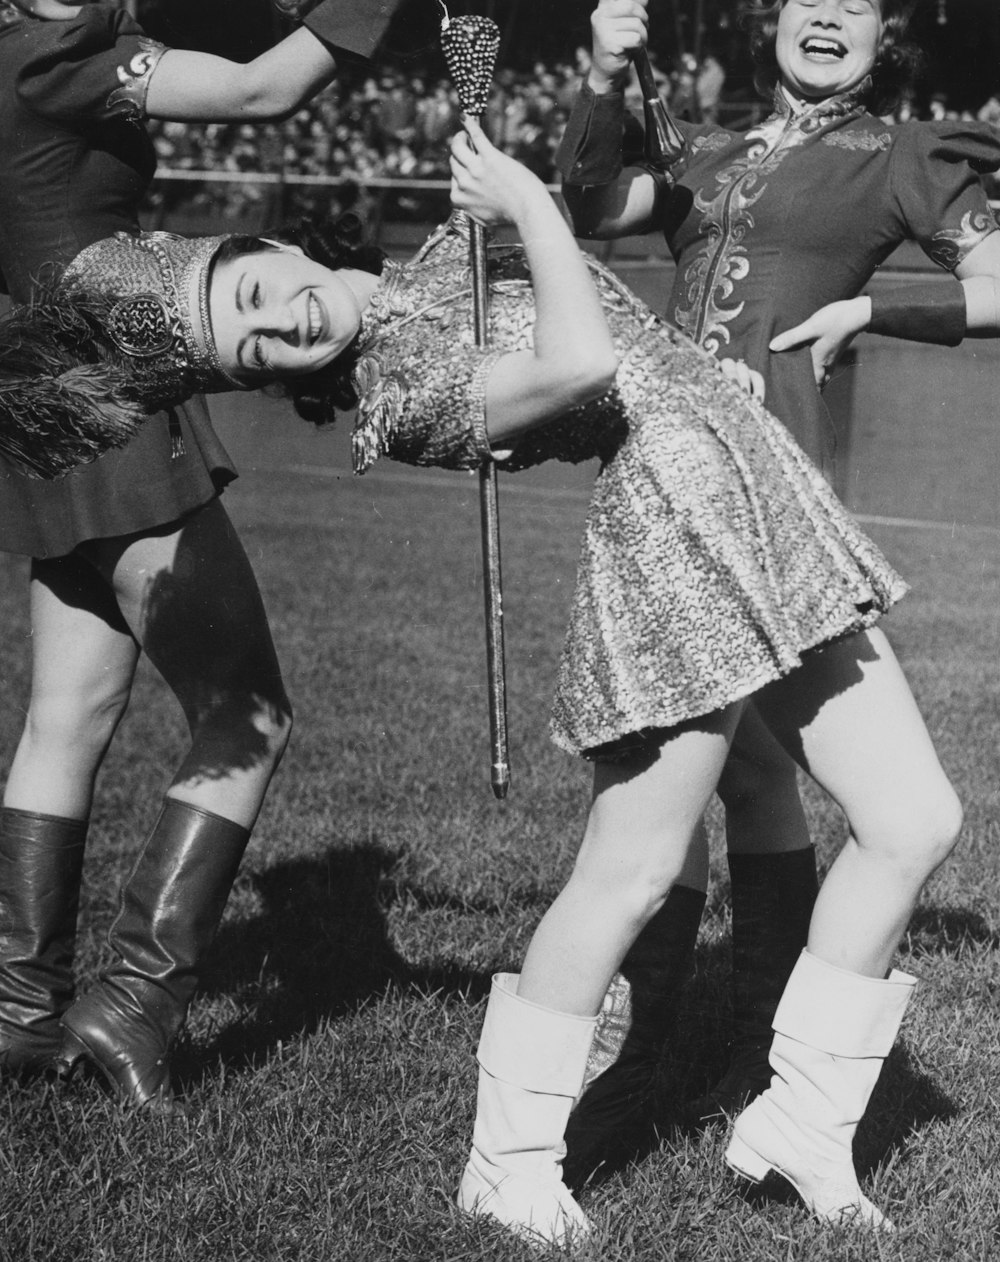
191,600
848,715
83,662
639,842
189,596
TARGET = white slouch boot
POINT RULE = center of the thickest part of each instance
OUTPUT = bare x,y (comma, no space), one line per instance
833,1031
531,1066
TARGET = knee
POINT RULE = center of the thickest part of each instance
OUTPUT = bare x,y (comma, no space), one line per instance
80,722
942,826
279,722
272,722
920,834
637,885
239,729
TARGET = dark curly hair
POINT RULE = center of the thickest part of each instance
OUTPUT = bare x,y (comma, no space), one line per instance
897,62
336,243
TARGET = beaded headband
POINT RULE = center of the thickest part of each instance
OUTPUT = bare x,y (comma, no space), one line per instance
159,318
124,333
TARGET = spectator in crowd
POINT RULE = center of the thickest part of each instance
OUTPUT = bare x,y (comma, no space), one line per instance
397,123
708,87
990,112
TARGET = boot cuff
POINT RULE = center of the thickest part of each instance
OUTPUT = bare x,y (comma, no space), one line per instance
532,1047
842,1013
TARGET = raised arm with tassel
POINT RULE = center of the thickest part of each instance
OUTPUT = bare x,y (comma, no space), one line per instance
664,144
605,184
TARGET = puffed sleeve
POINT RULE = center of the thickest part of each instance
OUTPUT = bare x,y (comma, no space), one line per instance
936,182
599,133
353,26
422,403
602,137
96,66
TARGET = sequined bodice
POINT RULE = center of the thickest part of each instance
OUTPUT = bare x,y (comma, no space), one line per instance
420,374
713,553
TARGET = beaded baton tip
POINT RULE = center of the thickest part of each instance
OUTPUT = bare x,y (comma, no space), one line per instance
470,44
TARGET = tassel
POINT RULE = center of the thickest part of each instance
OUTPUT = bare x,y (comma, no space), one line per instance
177,448
50,425
63,399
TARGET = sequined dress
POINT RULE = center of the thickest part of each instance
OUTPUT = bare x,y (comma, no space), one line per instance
714,553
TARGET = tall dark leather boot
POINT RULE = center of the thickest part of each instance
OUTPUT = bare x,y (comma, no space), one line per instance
614,1117
170,909
772,899
41,862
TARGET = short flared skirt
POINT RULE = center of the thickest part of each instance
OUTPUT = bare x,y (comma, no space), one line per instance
714,555
175,464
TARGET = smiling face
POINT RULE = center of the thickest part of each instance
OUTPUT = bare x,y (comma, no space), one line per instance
278,314
827,46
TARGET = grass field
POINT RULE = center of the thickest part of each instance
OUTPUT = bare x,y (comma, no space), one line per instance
329,1056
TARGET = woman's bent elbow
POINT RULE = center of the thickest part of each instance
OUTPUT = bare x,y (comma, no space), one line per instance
594,377
268,107
268,99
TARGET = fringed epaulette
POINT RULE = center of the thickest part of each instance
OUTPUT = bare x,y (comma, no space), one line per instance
63,399
381,396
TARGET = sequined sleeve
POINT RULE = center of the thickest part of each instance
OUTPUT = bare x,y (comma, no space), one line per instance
935,174
421,401
94,67
421,380
594,430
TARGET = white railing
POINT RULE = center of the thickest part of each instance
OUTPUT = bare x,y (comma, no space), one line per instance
379,186
400,183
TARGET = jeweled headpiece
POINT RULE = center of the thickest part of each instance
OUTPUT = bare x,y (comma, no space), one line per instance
125,332
159,320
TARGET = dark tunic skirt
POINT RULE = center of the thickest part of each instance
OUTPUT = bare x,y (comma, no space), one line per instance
75,162
138,488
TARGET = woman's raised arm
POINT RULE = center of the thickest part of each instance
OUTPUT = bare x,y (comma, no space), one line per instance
574,359
604,200
200,86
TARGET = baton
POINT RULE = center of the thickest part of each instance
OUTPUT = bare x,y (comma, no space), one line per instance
664,144
470,44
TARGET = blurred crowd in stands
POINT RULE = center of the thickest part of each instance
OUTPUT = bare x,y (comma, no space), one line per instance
392,125
395,125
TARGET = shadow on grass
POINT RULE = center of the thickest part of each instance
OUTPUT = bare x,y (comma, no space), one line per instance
947,930
318,950
905,1099
613,1139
